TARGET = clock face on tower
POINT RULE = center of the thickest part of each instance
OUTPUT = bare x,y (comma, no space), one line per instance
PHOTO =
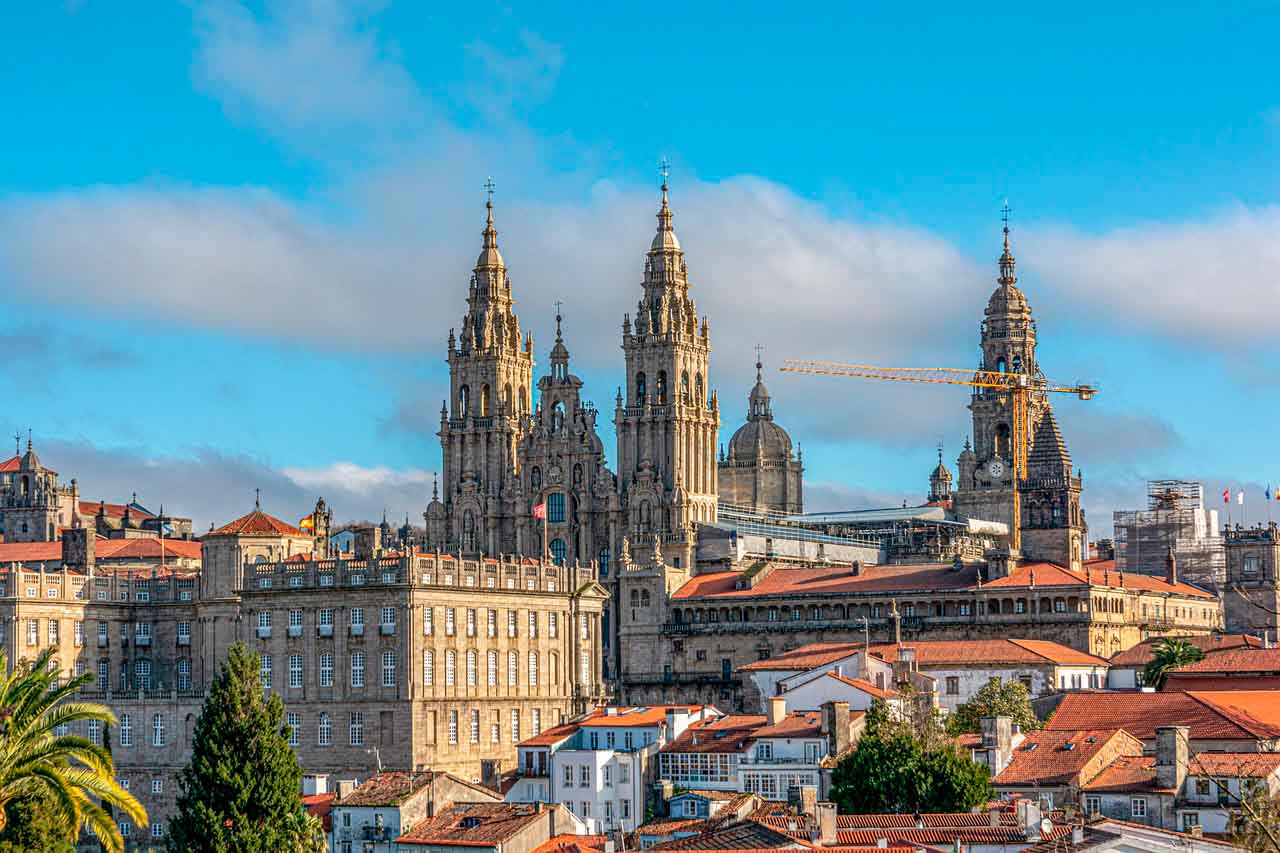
995,468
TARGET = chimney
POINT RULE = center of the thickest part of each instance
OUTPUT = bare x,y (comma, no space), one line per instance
993,816
835,723
345,787
857,568
777,710
78,544
1173,751
997,737
827,824
804,798
1029,819
1171,566
1077,834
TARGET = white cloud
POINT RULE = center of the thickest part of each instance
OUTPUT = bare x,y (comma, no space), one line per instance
1205,282
350,477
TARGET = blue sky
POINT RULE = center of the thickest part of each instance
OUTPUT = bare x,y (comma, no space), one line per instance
233,237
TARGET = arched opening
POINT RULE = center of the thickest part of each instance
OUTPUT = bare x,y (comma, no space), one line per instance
577,476
642,388
662,387
464,401
468,531
558,551
506,397
697,388
1002,441
484,400
684,388
557,417
524,401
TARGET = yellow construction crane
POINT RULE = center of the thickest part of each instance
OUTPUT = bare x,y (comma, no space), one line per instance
1019,387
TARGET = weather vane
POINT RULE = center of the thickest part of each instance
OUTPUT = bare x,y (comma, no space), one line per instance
489,185
1004,214
664,169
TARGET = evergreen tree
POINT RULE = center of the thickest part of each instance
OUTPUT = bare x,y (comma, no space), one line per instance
996,698
35,825
241,790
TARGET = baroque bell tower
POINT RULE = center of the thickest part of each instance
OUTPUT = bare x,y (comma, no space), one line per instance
487,414
667,418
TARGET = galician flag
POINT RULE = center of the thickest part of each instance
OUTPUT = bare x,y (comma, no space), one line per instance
540,511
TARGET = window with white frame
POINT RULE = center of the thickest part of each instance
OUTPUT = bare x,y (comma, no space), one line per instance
553,624
157,729
513,668
264,671
453,727
535,721
295,618
493,623
428,621
450,667
515,725
326,670
448,622
533,669
324,730
157,786
533,623
388,617
471,667
493,668
184,633
126,730
1138,807
295,724
475,726
295,671
356,728
357,669
511,623
357,617
428,668
471,621
78,633
388,668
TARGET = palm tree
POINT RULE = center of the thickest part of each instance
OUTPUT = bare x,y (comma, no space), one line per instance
71,771
1169,654
308,833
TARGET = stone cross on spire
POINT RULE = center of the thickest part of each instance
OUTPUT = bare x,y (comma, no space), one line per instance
1007,276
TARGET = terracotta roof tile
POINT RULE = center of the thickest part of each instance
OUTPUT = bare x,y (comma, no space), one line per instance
565,843
148,547
1128,773
475,824
89,509
1240,660
1142,654
257,523
1180,683
633,715
1242,765
943,652
722,734
1058,757
666,827
387,789
10,465
831,579
1097,571
804,658
863,685
553,735
1211,715
745,835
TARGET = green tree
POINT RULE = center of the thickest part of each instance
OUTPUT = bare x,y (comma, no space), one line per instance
69,771
241,790
34,825
895,770
1169,653
306,833
996,698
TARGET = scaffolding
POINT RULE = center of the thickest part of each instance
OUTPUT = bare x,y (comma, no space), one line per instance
1175,517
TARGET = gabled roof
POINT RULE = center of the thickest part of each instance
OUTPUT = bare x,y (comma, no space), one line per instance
863,685
387,789
830,579
475,824
146,548
1059,757
951,652
1235,662
1099,573
10,465
1127,773
747,835
1211,715
257,523
722,734
804,658
636,715
1142,654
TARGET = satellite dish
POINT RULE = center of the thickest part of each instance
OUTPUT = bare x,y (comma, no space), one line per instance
1046,826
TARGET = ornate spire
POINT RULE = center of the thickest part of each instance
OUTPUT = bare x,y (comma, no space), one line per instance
489,254
1007,277
665,239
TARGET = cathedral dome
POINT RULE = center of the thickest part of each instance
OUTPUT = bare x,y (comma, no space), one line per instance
760,434
1007,299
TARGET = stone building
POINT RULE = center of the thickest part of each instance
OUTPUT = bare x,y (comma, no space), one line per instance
760,472
419,660
1251,597
1053,525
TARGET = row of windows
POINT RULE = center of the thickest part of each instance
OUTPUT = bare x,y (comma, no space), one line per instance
387,619
606,775
141,672
142,632
491,668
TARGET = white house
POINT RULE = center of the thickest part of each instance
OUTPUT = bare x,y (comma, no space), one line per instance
600,767
373,815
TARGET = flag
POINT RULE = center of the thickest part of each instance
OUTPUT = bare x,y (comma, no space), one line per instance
1226,496
540,511
308,523
1268,492
1240,498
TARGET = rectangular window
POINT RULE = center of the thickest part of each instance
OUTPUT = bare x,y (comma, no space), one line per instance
493,623
450,665
1138,807
295,618
79,633
493,669
553,624
953,685
324,731
515,725
536,722
511,623
1092,805
533,623
102,674
126,730
475,726
33,632
357,617
453,727
265,672
388,669
157,729
471,622
584,775
356,728
295,671
428,668
295,723
568,776
513,669
388,617
157,786
326,670
1202,787
95,732
357,669
184,633
584,627
624,807
448,622
533,669
624,775
326,617
495,732
428,621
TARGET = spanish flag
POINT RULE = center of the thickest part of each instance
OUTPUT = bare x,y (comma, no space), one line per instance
308,523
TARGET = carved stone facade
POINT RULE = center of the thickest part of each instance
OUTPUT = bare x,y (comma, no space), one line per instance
1251,597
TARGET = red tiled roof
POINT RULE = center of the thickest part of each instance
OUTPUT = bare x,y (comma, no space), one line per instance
1058,757
31,552
257,523
475,824
863,685
642,715
10,465
565,843
553,735
804,658
1236,661
147,547
1097,572
1242,765
794,724
942,652
722,734
1212,715
320,805
831,579
1143,653
89,509
1128,773
387,789
933,820
1178,683
666,827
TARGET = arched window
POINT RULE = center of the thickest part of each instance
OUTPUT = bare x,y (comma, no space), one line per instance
555,508
506,397
26,483
1000,365
464,401
645,516
557,417
603,559
577,476
644,598
662,387
558,551
484,400
533,669
684,388
641,388
1017,364
524,401
697,388
1002,441
468,531
535,477
635,598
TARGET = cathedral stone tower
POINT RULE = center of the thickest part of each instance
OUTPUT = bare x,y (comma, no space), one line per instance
760,470
940,482
1052,522
668,419
487,415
